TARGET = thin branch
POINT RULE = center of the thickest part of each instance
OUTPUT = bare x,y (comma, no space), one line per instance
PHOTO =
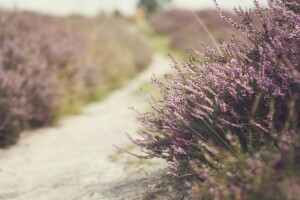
211,37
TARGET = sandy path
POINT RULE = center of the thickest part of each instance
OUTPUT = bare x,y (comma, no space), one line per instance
72,160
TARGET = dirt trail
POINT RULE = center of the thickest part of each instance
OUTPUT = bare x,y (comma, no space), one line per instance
74,159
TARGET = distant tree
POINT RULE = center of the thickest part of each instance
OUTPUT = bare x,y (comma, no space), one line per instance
117,13
152,6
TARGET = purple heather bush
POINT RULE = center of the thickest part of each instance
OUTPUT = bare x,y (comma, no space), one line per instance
28,90
228,120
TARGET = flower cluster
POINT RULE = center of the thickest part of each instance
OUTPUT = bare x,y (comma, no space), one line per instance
233,102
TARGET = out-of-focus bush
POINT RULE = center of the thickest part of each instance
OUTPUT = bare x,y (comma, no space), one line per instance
187,33
228,120
50,66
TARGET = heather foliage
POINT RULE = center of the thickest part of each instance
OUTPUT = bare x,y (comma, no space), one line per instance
49,66
229,119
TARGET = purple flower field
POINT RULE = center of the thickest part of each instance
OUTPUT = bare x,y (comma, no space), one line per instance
49,66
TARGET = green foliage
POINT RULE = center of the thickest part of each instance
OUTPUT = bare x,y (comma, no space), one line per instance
152,6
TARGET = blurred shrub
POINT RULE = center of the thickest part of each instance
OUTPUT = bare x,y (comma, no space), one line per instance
49,66
228,121
187,33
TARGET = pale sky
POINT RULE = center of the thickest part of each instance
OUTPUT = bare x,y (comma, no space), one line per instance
93,7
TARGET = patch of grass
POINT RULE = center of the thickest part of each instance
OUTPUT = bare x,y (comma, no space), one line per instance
128,161
162,43
148,88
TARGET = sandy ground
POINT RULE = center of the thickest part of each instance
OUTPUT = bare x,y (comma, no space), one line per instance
77,159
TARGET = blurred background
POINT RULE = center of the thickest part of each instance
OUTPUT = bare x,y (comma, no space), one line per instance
58,55
126,7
